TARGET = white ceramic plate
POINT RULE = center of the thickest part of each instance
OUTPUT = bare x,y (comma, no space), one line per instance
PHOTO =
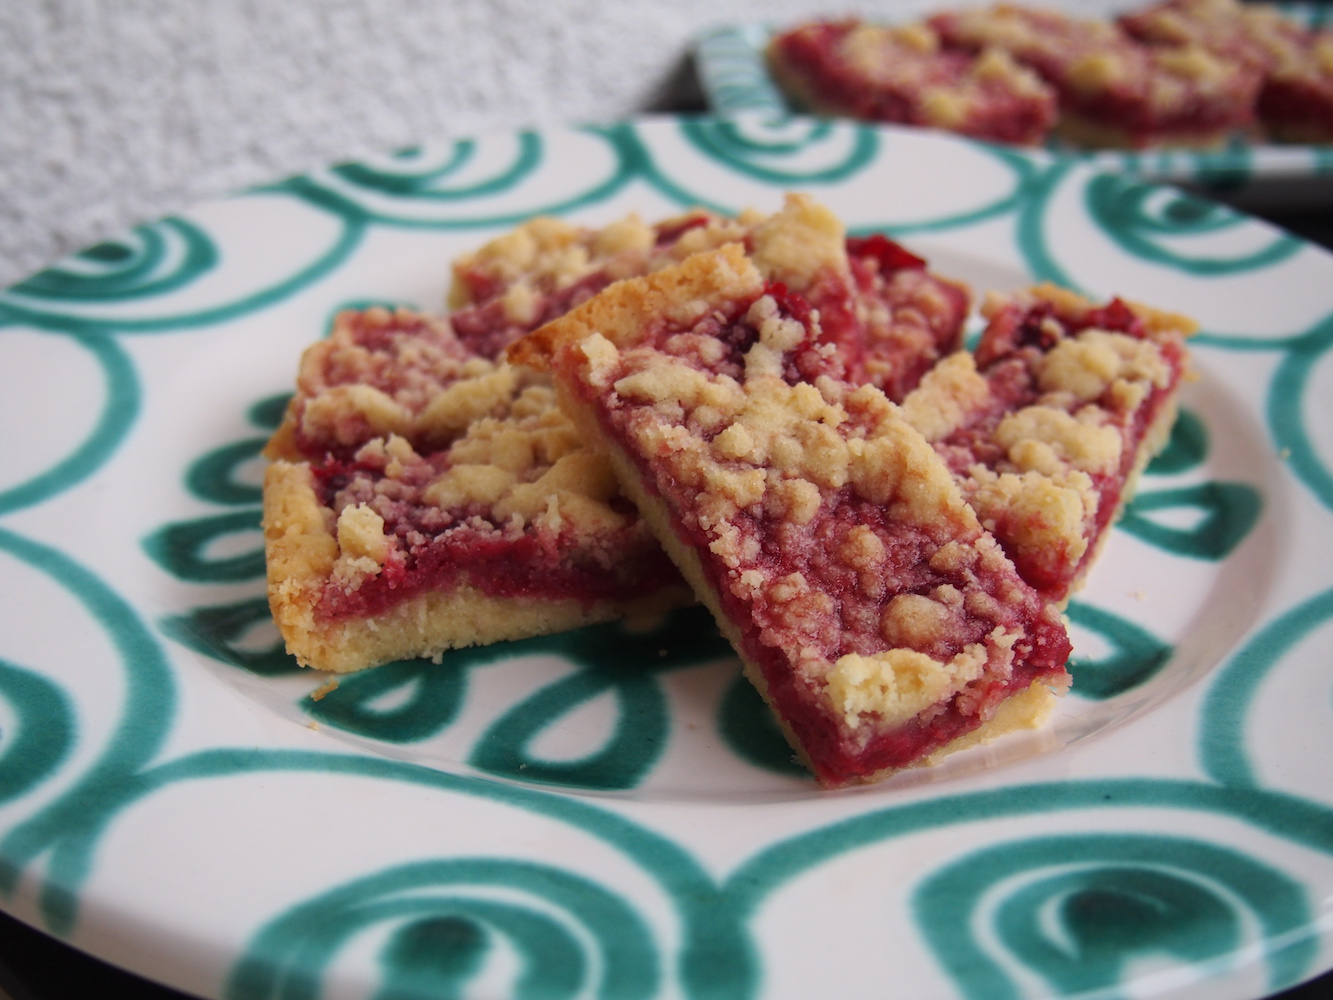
735,81
609,814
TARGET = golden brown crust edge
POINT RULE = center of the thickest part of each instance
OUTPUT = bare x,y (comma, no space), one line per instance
300,551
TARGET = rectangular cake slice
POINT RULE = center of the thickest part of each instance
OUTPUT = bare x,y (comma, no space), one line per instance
1048,426
421,498
870,608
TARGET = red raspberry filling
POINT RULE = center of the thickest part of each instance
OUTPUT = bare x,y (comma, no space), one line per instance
436,549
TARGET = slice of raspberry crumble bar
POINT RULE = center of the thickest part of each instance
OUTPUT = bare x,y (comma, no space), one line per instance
890,316
902,75
1295,102
879,619
1113,90
1048,426
422,498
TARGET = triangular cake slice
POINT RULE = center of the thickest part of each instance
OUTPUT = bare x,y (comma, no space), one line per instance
1049,424
870,608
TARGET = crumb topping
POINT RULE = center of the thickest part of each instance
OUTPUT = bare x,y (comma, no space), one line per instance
383,372
547,266
516,506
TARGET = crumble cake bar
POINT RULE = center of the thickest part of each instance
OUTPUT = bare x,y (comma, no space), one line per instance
1113,90
543,268
420,498
1295,102
1049,424
902,75
870,608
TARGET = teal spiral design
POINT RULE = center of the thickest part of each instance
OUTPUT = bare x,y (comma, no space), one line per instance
118,413
240,633
150,699
148,261
41,735
182,549
1185,449
1287,399
1163,226
437,188
426,698
714,960
609,661
416,174
1275,899
1139,217
188,550
571,937
68,296
780,152
795,152
1223,746
1134,655
1080,910
751,730
1228,513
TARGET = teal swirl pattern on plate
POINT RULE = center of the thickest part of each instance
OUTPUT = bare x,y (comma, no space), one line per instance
612,813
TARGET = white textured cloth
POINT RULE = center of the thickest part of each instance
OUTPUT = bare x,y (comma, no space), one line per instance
114,112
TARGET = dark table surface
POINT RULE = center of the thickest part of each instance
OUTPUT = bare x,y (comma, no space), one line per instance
34,966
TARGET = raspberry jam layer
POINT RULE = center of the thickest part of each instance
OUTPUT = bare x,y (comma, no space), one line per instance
435,548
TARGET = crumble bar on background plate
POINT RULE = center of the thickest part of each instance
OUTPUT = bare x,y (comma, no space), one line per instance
1295,102
1114,91
902,75
1049,424
423,496
870,608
